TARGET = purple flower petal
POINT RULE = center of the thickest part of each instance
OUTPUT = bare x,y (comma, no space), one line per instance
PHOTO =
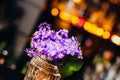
53,44
31,53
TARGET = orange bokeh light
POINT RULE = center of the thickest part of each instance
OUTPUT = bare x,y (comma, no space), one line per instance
99,32
65,16
87,26
54,11
93,28
75,20
77,1
106,35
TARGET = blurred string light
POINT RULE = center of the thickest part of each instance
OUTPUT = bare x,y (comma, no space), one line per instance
115,39
99,32
87,26
54,11
77,1
65,16
75,20
80,22
71,18
106,35
94,29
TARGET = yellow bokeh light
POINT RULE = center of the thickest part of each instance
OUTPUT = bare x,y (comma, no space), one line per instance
54,11
77,1
106,35
65,16
93,28
75,20
62,14
116,39
87,26
99,32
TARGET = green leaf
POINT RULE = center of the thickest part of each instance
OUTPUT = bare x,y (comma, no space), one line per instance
71,66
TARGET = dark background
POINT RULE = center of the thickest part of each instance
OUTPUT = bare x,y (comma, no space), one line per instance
19,20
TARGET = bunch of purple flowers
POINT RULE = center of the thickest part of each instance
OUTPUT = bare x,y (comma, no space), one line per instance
53,44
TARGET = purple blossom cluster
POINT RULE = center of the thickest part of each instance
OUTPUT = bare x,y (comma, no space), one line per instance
53,44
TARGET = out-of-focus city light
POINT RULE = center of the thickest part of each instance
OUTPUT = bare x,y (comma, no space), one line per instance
93,28
13,66
99,32
75,20
2,60
88,43
108,54
5,52
54,11
81,22
99,67
106,35
116,39
65,16
87,26
70,18
77,1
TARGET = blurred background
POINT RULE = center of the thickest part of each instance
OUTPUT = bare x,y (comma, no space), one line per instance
96,24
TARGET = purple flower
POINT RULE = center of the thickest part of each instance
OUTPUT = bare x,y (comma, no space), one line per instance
44,26
53,44
30,53
63,33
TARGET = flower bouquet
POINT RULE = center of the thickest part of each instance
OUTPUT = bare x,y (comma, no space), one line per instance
48,46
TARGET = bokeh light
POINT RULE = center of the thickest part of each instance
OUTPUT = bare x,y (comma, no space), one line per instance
99,67
99,32
54,11
75,20
108,54
87,26
5,52
93,28
81,22
77,1
88,42
115,39
13,66
106,35
65,16
2,60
